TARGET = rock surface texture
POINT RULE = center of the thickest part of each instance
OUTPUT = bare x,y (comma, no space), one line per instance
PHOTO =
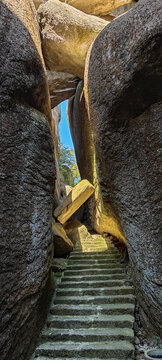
61,86
100,216
80,193
93,312
26,181
101,8
67,34
62,244
30,81
125,111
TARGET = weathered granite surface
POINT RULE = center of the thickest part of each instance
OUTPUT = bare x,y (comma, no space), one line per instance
101,8
125,111
67,34
26,181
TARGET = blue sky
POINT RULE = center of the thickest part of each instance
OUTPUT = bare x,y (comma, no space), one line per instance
64,130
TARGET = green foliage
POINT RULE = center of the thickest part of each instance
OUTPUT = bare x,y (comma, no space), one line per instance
68,166
159,151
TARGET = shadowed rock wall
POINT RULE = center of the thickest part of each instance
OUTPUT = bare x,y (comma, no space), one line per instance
123,92
26,182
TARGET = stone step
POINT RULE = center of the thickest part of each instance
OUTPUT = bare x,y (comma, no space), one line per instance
95,300
107,309
97,271
123,349
114,290
101,256
84,322
104,277
87,335
107,265
72,358
99,253
94,242
94,261
93,284
91,248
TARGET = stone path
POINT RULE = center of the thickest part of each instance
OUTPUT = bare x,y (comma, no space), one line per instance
93,312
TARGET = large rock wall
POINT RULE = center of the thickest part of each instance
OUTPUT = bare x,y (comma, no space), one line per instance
101,216
123,90
26,181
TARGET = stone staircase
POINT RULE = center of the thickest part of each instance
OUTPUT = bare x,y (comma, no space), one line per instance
93,312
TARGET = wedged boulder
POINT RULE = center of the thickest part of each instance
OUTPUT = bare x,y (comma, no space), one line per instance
79,194
77,232
61,86
26,182
62,244
125,111
101,8
67,33
99,215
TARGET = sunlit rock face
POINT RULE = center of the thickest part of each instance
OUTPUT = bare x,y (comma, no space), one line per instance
101,8
125,111
38,2
26,181
67,33
101,217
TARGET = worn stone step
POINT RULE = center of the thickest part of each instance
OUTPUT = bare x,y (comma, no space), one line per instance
95,241
114,290
106,309
100,256
94,284
123,349
94,245
94,261
72,358
87,335
96,300
81,322
97,271
99,253
86,278
107,265
91,248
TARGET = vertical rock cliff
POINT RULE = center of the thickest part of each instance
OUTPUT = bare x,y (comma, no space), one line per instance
26,181
101,216
123,93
